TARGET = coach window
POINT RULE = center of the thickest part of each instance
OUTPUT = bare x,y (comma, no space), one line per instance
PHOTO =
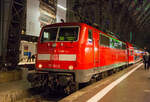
115,44
131,52
90,35
120,45
104,40
123,46
111,43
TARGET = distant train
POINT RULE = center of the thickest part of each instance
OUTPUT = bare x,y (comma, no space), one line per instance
72,53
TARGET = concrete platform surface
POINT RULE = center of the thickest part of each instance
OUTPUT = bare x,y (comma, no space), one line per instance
13,91
8,76
133,88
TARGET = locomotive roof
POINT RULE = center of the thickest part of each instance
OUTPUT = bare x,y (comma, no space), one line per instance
79,24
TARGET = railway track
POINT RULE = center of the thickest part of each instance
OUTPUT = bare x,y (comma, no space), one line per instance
42,95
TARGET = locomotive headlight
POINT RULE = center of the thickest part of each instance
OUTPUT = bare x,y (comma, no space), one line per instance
40,65
70,67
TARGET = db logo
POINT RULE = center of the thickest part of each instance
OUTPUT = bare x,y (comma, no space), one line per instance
55,57
54,65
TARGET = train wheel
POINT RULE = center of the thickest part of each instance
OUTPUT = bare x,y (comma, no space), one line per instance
93,80
104,74
99,77
118,69
77,86
110,72
114,70
72,87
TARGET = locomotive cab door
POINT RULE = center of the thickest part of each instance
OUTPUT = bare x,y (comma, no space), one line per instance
96,48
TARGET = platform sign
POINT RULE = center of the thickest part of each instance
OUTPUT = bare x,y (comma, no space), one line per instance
38,15
27,54
25,50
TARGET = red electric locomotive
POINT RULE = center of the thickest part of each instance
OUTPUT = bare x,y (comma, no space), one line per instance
73,53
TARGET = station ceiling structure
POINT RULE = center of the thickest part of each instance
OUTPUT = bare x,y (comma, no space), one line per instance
130,19
139,10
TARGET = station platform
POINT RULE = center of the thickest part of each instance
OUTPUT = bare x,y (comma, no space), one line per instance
25,63
13,91
14,87
129,85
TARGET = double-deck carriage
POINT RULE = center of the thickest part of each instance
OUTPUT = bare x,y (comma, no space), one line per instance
72,53
138,55
134,54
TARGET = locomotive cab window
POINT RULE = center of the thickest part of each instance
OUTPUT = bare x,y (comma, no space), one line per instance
49,34
90,35
104,40
68,34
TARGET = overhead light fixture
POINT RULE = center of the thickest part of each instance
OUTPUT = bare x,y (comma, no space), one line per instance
61,7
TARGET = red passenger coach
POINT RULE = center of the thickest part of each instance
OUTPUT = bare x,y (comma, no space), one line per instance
138,55
134,54
73,53
131,54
